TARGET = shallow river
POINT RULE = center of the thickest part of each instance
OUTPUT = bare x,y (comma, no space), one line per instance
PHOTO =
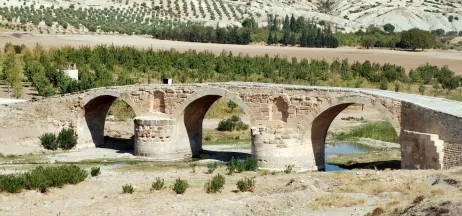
343,148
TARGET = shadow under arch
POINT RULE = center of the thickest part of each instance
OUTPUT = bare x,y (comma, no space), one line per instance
191,115
95,111
327,113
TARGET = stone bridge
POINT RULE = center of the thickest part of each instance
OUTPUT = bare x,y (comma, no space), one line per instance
289,123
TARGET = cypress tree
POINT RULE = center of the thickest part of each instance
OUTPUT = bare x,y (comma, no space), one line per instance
286,38
293,24
270,38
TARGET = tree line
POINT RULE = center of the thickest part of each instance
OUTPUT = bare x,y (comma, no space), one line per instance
112,65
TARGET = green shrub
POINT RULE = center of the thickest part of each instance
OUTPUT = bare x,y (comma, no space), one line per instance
95,171
193,167
215,185
246,184
180,186
250,164
212,166
128,188
158,184
289,169
67,139
11,183
232,165
232,123
48,141
42,178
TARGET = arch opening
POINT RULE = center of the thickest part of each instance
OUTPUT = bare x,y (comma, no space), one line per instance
200,128
351,135
109,120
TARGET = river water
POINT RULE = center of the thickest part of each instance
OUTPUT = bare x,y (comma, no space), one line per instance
343,148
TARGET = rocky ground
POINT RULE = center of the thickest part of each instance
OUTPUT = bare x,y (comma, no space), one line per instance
357,192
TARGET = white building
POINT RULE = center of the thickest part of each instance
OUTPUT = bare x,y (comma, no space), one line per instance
71,71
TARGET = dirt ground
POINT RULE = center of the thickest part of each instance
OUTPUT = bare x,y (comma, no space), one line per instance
406,59
357,192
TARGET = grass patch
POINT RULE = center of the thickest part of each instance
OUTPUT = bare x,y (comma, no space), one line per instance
42,178
380,130
220,109
214,137
121,111
334,201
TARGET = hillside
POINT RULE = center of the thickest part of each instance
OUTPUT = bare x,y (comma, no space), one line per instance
347,15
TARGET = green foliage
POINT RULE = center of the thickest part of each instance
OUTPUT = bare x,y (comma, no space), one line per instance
193,167
246,184
250,164
212,166
234,165
158,184
42,178
67,139
95,171
289,169
421,89
128,188
417,38
48,141
180,186
215,185
380,130
231,124
389,28
11,183
231,105
383,84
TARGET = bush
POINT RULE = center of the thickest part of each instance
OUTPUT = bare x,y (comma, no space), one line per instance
158,184
48,141
67,139
211,167
232,123
42,178
215,185
11,183
250,164
180,186
95,171
128,188
193,167
289,169
246,184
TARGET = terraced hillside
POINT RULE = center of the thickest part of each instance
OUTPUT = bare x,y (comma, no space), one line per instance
128,16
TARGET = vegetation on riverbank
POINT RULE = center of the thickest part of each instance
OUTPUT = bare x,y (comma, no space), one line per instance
380,130
110,65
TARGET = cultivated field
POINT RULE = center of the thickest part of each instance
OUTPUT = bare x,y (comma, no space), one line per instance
408,60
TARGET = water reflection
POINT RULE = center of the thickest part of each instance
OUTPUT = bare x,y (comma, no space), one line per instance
343,148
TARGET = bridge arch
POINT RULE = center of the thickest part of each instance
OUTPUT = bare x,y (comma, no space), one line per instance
191,114
96,107
330,109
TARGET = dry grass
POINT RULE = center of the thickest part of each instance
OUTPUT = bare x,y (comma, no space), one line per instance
407,189
334,201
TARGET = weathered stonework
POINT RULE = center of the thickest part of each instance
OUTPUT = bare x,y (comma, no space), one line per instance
289,123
